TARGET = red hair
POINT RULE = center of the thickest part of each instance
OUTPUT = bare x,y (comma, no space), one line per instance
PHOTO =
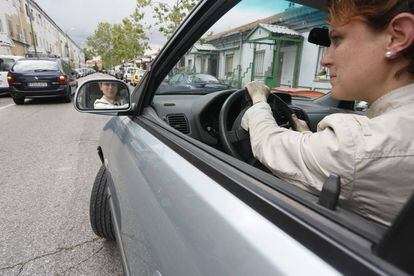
376,13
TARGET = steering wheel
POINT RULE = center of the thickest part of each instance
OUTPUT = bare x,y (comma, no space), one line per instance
235,140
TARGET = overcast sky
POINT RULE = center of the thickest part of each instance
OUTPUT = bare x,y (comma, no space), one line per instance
81,17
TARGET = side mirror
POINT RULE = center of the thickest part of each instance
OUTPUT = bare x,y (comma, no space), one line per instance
103,96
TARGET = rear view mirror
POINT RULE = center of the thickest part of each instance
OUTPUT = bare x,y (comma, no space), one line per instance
319,36
103,94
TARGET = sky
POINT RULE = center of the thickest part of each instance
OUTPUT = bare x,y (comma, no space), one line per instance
79,18
246,12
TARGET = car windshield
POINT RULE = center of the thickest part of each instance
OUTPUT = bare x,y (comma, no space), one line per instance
35,66
6,64
202,78
262,41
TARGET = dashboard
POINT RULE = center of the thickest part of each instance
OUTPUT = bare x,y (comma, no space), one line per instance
198,115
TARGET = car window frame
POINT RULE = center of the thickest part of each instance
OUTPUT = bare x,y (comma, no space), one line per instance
193,27
251,186
161,70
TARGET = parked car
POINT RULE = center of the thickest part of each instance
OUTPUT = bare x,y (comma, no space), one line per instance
6,62
192,82
119,74
129,71
179,189
79,73
137,76
41,78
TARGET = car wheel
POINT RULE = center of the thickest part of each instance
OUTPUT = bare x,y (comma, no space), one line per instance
68,97
99,211
18,101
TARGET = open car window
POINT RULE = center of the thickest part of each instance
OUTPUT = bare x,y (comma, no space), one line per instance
265,41
256,40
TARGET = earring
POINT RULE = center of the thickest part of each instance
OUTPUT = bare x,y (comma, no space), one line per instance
389,54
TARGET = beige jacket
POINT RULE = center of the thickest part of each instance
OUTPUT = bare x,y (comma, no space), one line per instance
105,103
373,154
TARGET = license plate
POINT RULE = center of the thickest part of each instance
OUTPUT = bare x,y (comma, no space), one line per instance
37,84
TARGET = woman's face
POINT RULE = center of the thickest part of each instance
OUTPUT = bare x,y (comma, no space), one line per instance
109,89
356,61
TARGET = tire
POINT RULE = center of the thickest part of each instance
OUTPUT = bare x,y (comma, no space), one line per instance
68,97
99,210
18,101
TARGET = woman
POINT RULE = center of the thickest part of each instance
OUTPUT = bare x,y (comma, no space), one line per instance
110,98
370,59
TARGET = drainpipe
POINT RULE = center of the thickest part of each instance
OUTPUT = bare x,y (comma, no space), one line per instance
240,59
31,27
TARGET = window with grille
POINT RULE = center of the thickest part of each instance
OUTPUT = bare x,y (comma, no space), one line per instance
190,64
203,65
259,63
229,65
11,32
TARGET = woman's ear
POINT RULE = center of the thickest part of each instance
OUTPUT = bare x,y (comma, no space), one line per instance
401,31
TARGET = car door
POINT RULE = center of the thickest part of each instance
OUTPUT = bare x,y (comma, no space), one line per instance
181,207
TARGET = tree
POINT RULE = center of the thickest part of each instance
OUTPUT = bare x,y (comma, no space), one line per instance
168,17
89,53
118,42
129,38
101,43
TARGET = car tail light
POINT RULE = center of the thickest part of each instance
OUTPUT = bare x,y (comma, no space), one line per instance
63,79
10,79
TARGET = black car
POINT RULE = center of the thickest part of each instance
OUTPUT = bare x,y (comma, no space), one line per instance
41,78
192,82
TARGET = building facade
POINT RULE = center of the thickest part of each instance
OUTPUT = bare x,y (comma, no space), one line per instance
273,50
26,30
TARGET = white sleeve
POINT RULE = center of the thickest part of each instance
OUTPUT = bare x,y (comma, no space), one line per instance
305,159
102,105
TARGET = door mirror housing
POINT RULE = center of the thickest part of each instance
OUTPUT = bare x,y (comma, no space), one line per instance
103,96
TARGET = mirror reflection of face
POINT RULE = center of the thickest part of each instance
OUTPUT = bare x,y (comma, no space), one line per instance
109,89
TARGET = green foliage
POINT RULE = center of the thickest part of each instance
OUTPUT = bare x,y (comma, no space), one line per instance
168,17
118,42
89,53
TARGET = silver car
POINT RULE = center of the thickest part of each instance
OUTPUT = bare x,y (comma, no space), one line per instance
179,189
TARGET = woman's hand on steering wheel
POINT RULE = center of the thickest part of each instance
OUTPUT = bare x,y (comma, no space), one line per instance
301,125
258,91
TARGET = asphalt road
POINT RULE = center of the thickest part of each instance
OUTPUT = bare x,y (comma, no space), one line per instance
48,162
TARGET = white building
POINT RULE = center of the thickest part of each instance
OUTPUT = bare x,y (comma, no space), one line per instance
273,50
25,29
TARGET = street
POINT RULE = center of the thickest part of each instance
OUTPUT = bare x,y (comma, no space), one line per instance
48,162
